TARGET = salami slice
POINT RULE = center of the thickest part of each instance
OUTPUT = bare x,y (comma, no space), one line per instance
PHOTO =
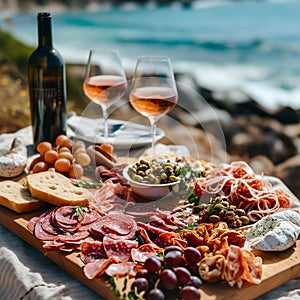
77,236
31,224
39,232
66,215
92,251
119,249
89,217
115,226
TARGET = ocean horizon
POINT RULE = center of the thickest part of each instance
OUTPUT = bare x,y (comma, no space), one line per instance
250,46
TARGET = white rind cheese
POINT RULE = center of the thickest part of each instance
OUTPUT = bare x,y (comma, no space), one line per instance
275,232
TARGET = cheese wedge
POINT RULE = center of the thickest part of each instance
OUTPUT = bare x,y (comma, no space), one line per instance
275,232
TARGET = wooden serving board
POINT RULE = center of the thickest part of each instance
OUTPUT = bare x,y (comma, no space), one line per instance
278,267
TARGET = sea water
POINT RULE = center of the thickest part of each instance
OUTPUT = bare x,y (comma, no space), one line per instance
250,46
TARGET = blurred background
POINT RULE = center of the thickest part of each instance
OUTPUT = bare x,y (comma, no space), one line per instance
237,62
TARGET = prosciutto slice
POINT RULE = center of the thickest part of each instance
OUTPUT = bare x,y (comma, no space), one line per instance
97,268
142,253
121,269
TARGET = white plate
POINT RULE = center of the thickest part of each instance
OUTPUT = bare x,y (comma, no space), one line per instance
131,135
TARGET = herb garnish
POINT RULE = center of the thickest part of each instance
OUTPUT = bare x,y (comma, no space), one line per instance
78,210
186,183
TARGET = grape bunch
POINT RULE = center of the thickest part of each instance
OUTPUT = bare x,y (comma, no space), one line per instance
66,156
174,273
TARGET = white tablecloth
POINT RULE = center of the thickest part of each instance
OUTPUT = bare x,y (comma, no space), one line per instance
26,274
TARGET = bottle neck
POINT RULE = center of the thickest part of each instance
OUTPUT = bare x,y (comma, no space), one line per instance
44,30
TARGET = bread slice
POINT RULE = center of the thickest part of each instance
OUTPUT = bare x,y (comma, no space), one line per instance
15,196
56,189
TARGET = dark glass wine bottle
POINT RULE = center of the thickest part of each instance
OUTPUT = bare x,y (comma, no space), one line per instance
47,91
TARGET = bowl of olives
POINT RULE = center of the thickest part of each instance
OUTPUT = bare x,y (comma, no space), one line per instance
152,179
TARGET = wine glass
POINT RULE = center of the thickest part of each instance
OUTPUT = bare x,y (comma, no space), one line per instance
105,81
153,90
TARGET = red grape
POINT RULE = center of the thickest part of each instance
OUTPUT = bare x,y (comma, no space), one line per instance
172,248
183,275
156,294
193,269
153,264
141,284
190,293
168,279
195,281
192,255
173,258
142,274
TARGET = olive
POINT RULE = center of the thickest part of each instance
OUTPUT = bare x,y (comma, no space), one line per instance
245,220
240,212
141,173
219,206
173,178
163,176
214,219
137,178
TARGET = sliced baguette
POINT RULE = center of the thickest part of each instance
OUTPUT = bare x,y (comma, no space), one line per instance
15,196
56,189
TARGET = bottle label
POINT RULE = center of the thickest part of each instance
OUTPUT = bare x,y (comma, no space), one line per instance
46,93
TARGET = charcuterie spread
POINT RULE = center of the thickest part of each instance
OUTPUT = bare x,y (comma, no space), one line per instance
166,248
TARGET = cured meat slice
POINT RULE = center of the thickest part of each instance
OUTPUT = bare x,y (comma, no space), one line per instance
97,268
165,239
66,215
31,224
77,236
92,251
115,226
234,266
145,236
47,225
52,245
90,217
151,228
159,222
39,232
121,269
119,249
142,253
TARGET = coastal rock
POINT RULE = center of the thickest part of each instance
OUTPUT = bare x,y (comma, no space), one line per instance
289,172
255,135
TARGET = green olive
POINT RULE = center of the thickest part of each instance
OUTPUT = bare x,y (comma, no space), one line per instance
245,220
240,212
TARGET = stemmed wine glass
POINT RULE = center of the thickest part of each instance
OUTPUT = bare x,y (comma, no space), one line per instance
105,80
153,90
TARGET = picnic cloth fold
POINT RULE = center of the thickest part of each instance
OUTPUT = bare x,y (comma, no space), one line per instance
18,282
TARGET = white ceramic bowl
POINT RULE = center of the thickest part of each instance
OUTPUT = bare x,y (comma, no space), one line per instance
147,190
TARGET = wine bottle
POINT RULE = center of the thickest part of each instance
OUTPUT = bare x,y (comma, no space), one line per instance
47,91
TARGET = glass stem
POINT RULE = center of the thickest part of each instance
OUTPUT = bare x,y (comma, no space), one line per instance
105,122
153,134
